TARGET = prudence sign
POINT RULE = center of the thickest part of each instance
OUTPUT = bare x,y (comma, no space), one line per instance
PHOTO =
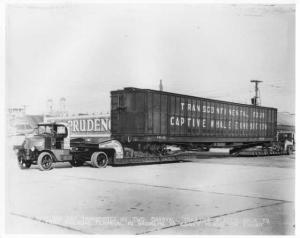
85,126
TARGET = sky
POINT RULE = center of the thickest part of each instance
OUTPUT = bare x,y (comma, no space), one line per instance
83,51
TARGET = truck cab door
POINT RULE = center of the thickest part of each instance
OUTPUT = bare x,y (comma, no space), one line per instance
66,143
67,139
63,137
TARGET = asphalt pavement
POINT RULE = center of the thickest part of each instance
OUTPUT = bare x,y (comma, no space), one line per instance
207,196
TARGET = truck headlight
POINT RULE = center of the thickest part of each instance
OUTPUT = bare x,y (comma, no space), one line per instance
32,148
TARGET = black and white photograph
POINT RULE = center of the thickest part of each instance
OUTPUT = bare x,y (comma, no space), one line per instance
149,118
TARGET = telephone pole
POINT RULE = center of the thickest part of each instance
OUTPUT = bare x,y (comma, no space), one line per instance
254,100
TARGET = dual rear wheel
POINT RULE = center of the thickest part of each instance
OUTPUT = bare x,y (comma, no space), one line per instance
99,159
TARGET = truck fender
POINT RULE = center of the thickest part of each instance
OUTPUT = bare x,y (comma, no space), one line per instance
115,145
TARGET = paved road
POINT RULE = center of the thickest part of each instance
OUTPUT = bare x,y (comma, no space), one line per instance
219,196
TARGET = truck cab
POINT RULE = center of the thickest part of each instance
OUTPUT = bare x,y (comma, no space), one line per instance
56,136
287,139
50,143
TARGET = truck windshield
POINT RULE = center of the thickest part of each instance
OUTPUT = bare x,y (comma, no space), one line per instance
45,129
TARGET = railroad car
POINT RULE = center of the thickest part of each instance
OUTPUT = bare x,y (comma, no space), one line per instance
155,122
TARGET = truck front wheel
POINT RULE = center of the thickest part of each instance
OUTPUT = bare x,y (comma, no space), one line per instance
99,159
45,161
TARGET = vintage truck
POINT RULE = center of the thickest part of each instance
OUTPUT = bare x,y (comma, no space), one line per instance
51,143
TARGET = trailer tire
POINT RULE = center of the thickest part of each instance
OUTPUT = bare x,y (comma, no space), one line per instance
99,159
45,161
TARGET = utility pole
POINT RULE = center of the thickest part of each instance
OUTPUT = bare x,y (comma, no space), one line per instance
254,100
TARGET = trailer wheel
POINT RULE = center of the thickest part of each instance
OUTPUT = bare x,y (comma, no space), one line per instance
23,164
45,161
99,159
